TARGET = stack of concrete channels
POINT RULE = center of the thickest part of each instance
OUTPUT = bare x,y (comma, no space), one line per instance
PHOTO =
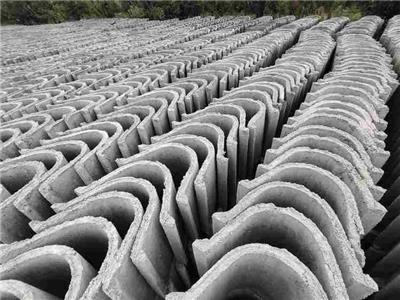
62,131
56,115
129,155
330,151
383,242
391,40
268,205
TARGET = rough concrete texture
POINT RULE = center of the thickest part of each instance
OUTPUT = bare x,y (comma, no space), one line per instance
371,212
382,243
326,185
286,194
205,182
259,271
10,288
142,159
257,224
63,271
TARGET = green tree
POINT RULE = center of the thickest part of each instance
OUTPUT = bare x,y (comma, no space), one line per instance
155,13
135,11
55,11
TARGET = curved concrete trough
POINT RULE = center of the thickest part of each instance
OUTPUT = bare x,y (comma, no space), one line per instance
60,186
242,132
145,128
125,211
32,127
148,181
8,138
371,212
216,136
327,186
14,288
51,272
21,180
205,183
229,125
280,227
183,163
95,239
286,194
323,131
284,276
89,166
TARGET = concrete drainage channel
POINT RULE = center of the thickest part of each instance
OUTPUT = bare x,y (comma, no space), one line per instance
206,158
